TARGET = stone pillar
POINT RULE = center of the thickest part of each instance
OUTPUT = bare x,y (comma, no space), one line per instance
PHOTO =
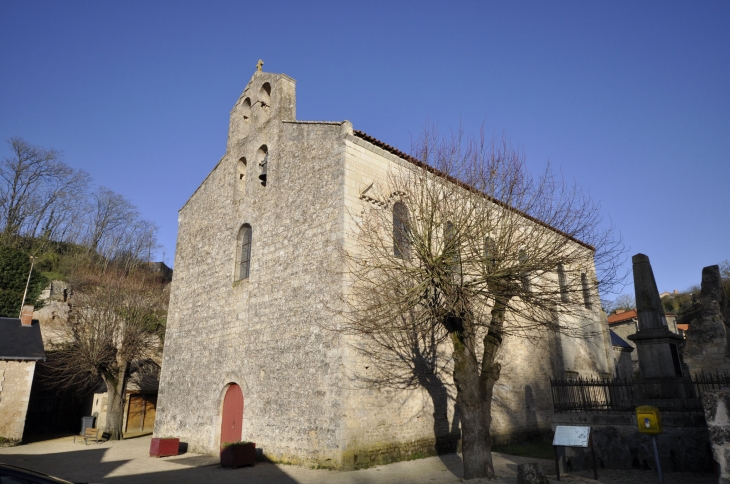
655,343
717,404
707,348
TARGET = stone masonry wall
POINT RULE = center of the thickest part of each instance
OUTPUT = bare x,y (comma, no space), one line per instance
683,445
716,404
16,378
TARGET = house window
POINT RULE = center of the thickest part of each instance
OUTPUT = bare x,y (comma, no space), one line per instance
586,290
244,252
563,284
401,231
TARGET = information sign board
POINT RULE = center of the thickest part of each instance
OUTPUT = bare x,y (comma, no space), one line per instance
569,436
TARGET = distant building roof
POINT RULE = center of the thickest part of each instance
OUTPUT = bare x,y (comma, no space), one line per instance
622,316
617,340
18,342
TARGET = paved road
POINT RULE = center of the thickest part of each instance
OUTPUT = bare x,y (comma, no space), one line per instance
129,462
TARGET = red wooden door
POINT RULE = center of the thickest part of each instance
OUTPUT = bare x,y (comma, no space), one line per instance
232,415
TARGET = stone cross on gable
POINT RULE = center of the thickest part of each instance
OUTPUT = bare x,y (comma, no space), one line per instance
259,65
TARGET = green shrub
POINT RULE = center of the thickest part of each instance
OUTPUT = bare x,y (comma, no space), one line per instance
14,267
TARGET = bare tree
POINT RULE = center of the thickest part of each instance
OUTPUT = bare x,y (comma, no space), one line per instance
34,186
116,230
464,250
116,318
624,301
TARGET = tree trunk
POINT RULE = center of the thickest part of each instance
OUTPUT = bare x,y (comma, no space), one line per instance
475,411
474,389
116,389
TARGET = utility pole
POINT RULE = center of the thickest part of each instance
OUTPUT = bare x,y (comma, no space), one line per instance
32,261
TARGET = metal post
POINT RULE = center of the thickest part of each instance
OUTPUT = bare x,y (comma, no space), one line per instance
557,462
593,453
32,260
656,456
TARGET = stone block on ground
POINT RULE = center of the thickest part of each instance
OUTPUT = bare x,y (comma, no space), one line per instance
717,411
531,474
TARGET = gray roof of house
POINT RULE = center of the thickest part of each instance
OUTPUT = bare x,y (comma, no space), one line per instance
617,340
18,342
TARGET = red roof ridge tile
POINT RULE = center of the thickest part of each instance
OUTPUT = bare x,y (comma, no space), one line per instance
456,181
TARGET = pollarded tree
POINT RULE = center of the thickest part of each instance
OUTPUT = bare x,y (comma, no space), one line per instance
466,249
117,318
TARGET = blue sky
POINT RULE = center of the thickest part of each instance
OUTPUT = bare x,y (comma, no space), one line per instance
629,99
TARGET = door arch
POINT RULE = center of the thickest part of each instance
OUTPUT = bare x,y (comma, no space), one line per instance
232,415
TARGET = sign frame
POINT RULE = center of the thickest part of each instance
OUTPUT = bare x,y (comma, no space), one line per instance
573,436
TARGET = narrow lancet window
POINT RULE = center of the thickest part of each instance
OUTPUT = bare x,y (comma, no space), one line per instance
490,252
241,176
244,252
524,274
563,283
586,290
452,249
401,231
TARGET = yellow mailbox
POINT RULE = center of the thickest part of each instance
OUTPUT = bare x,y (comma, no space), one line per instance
648,419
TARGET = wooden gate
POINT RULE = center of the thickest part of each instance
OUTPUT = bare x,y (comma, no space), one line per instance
141,413
232,422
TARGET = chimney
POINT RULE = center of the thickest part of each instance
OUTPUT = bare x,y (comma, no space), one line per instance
619,311
26,315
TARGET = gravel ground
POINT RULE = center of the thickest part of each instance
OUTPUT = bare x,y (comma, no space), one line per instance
128,461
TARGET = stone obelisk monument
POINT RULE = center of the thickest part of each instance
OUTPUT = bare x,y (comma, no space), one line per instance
655,343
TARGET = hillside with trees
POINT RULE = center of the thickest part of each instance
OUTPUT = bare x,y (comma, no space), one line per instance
49,211
53,221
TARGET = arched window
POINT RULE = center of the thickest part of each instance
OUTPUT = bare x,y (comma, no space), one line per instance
265,94
524,274
244,252
246,108
401,231
490,252
452,248
586,290
262,159
563,283
241,176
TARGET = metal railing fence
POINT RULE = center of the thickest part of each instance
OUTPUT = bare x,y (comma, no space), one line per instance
623,395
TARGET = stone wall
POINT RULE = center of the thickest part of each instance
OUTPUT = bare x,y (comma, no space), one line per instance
716,404
683,445
623,364
16,378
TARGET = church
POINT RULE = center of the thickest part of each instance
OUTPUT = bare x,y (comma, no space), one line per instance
247,352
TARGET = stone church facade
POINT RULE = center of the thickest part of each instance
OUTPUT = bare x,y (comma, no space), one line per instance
256,272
